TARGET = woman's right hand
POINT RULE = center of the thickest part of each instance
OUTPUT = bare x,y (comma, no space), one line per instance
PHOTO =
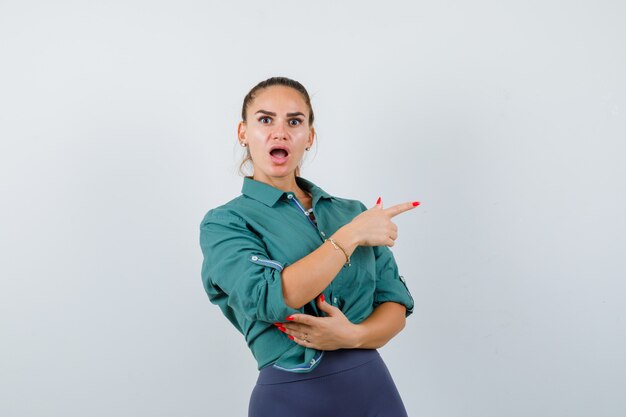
374,226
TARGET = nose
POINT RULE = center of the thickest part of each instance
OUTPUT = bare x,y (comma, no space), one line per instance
279,131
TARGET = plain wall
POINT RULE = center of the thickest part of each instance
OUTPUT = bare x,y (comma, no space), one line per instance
507,120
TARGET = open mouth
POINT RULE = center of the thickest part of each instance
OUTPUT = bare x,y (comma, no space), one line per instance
279,154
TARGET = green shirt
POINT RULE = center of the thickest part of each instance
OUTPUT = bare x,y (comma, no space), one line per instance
248,241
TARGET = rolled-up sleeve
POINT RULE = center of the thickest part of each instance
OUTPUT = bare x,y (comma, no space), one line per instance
390,285
237,273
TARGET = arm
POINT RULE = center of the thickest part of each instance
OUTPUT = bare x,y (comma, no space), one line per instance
306,279
387,320
392,303
335,331
237,273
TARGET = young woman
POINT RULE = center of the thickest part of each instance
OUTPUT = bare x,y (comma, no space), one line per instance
305,276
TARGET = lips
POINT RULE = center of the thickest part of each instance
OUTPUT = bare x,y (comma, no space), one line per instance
279,154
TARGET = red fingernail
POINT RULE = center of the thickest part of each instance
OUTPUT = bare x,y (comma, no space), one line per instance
416,203
322,298
281,328
291,337
378,201
290,318
277,324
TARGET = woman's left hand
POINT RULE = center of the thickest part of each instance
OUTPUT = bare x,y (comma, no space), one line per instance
332,332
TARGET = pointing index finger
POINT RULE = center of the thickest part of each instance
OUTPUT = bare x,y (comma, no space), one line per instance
401,208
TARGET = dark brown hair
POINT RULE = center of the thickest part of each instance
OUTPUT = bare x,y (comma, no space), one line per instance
271,82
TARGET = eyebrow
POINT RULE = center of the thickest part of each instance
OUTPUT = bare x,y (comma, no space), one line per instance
271,113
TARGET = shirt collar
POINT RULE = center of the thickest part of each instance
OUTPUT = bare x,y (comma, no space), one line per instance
269,195
312,189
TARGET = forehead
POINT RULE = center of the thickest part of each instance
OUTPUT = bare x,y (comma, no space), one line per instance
280,99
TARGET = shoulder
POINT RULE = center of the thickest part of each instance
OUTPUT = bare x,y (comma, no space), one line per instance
226,213
225,223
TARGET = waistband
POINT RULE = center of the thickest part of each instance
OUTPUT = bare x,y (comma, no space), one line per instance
331,362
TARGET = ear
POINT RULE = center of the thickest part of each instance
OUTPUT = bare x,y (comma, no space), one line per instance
311,137
241,131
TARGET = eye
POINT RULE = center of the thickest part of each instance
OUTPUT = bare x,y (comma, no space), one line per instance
295,122
265,119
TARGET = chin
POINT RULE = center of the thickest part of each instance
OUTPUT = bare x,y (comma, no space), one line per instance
281,172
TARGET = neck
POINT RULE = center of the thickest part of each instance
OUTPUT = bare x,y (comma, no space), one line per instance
287,183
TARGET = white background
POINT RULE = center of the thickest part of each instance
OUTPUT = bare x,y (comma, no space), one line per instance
507,120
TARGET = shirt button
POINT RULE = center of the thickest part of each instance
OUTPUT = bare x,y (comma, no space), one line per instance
322,233
335,300
255,258
290,196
